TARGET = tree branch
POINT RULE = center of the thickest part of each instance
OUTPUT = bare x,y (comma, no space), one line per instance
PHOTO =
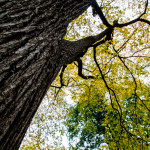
61,75
100,13
80,68
77,48
135,20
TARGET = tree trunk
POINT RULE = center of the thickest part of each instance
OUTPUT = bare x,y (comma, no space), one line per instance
31,56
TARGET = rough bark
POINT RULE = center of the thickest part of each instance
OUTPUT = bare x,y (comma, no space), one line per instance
31,54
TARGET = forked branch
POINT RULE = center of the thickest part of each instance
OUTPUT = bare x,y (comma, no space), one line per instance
135,20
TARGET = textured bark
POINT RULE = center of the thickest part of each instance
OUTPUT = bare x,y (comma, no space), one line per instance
31,54
31,32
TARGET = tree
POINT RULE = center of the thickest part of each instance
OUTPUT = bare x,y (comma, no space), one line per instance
84,121
92,121
31,56
33,51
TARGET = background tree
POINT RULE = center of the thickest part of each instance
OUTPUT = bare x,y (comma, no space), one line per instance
92,122
33,51
84,121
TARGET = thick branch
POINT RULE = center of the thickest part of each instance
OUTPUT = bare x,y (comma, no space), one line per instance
100,13
80,68
75,48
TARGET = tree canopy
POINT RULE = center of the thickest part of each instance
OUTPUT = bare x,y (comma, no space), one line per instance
92,122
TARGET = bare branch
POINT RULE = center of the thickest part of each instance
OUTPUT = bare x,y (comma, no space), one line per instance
100,13
125,43
61,75
135,56
85,68
143,103
135,20
80,70
132,22
144,20
127,69
103,78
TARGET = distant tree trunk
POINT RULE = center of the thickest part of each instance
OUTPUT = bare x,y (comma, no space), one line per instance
31,56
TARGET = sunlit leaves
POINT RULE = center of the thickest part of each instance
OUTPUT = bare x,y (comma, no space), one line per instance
94,111
84,121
